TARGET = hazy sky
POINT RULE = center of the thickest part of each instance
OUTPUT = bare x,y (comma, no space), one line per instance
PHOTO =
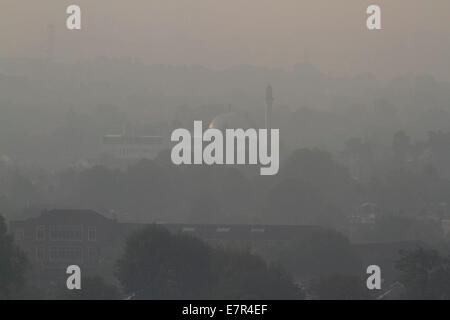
223,33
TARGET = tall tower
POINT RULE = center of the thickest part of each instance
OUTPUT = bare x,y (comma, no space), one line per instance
269,103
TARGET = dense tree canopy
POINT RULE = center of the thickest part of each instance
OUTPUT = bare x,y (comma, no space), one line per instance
339,287
159,265
425,273
13,264
93,288
320,252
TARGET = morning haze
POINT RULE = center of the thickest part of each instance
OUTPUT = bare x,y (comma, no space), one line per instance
136,150
221,34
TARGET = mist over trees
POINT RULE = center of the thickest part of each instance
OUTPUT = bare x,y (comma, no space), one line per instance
62,118
365,161
183,267
13,264
425,274
345,142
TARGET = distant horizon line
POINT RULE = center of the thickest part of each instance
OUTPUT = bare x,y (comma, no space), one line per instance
291,69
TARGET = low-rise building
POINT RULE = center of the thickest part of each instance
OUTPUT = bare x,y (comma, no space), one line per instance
59,238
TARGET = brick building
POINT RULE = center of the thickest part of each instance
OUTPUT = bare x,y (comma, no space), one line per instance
59,238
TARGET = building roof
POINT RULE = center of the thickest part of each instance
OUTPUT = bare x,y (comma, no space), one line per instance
134,140
231,120
65,216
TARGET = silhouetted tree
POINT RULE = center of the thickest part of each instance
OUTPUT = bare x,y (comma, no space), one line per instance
360,158
388,227
241,275
147,188
206,209
318,168
13,264
158,265
97,188
319,252
425,273
294,201
93,288
339,287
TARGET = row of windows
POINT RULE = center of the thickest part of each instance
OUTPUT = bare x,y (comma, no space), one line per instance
66,254
65,233
221,229
129,151
143,140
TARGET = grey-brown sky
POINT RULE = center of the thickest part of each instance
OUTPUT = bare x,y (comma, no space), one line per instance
219,34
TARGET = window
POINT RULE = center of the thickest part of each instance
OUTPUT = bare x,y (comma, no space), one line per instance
93,254
40,233
65,233
19,234
65,254
92,234
40,253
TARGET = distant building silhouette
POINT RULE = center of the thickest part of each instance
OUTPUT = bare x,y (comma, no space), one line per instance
130,146
59,238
